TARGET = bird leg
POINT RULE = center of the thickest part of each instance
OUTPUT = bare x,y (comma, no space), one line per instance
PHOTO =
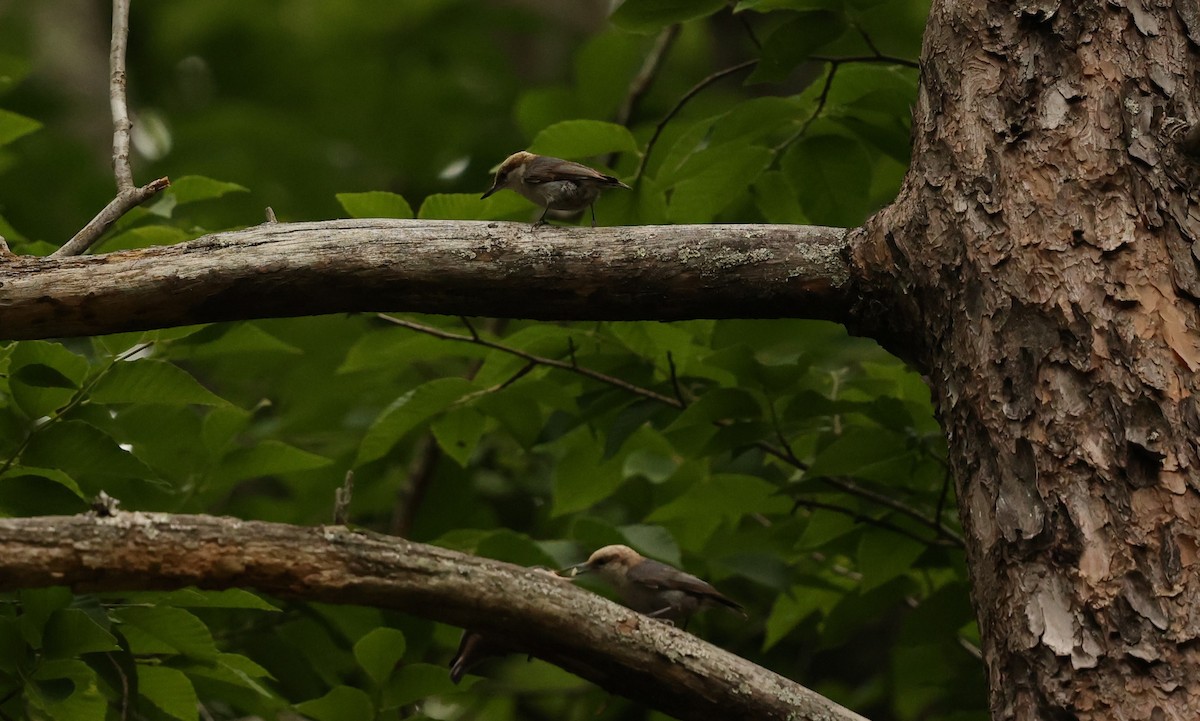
593,207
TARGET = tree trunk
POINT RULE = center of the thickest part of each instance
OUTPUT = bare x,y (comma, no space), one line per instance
1043,250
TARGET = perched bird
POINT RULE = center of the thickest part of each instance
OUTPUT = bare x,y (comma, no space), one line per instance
650,587
552,183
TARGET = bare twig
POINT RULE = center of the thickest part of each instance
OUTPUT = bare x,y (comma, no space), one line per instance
539,360
128,196
941,504
271,215
421,471
843,484
644,79
675,380
341,500
824,97
122,125
695,90
412,495
886,59
868,520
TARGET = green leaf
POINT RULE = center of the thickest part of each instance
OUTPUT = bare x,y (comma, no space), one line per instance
342,703
162,629
574,139
651,15
37,605
14,651
40,375
66,690
721,498
831,174
145,236
52,365
718,404
196,598
375,204
13,126
168,689
266,458
13,69
792,608
151,381
731,169
81,450
581,478
225,339
793,43
414,682
884,555
458,431
378,652
192,188
407,412
469,206
70,632
861,451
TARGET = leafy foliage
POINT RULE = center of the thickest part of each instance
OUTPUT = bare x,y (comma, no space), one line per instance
796,467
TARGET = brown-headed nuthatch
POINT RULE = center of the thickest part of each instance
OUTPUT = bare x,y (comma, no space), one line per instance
650,587
552,183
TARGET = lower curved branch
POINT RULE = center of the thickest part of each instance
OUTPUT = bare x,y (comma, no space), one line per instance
622,651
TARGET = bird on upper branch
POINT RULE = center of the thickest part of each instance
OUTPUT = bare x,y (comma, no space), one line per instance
553,183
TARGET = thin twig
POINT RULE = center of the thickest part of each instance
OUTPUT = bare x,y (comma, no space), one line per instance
540,360
122,125
341,500
886,59
679,106
421,471
641,82
824,97
863,518
941,504
843,484
675,380
420,474
75,400
645,77
129,196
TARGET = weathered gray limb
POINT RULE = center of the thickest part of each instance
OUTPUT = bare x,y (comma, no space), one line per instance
622,651
452,267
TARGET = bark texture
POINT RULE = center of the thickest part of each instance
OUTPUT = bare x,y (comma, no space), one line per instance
451,267
622,651
1043,252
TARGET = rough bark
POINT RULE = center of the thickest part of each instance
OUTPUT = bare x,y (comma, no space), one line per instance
1042,251
452,267
622,651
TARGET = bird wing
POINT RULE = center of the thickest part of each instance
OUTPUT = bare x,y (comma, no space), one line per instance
543,169
661,577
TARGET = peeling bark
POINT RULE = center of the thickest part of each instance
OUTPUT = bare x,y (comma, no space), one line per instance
624,652
1044,250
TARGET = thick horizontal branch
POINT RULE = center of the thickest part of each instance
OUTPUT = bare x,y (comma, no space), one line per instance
451,267
618,649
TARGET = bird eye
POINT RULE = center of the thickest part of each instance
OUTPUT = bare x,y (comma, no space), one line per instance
599,562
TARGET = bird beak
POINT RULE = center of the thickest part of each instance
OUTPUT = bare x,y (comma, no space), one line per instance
577,569
490,190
